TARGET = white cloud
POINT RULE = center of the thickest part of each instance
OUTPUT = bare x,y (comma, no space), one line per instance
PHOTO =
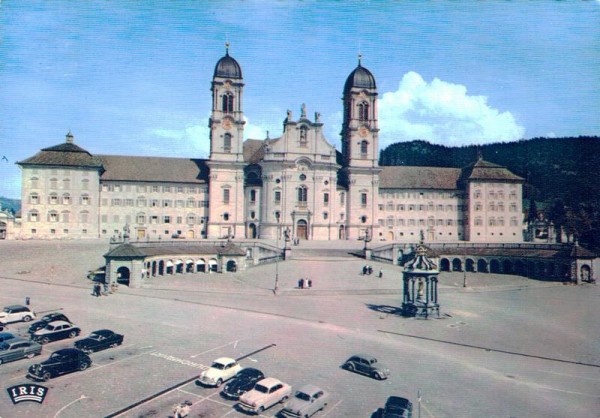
442,113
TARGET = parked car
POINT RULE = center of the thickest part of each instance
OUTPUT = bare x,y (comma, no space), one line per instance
16,313
397,407
368,365
55,330
17,349
46,319
242,383
6,336
266,393
99,340
306,402
60,362
220,371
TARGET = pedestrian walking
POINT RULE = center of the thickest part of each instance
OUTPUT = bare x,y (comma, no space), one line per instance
300,284
309,283
380,273
27,300
364,270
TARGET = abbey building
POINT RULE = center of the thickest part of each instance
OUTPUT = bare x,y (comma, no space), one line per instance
297,185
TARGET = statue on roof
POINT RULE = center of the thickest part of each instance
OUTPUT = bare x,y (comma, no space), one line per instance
303,110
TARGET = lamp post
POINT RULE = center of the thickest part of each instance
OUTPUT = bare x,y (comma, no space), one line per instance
465,267
367,239
278,218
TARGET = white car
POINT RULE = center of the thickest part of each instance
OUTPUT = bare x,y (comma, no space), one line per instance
266,393
221,370
16,313
306,402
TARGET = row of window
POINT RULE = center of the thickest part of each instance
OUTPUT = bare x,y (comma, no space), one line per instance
495,194
155,203
496,207
390,206
54,199
420,222
416,195
155,188
142,219
53,216
34,182
496,221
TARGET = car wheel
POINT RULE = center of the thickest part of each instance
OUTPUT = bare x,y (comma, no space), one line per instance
26,318
377,375
0,361
72,334
83,366
260,410
113,345
46,376
30,355
285,398
219,383
350,367
45,340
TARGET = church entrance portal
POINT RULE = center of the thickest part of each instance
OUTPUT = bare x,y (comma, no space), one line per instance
302,230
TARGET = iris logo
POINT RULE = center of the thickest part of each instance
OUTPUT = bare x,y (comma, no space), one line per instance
27,392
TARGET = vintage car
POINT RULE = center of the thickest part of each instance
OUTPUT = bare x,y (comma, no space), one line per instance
306,402
99,340
242,383
45,320
55,330
60,362
221,370
17,349
16,313
368,365
266,393
6,336
397,407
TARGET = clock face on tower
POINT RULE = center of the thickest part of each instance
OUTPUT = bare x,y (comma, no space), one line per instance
363,132
226,124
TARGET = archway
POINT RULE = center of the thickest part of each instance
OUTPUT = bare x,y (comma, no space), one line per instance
390,236
189,266
494,266
179,266
169,267
456,264
123,275
586,273
231,266
154,268
342,232
200,266
252,231
482,266
444,264
520,268
302,229
212,265
470,265
190,234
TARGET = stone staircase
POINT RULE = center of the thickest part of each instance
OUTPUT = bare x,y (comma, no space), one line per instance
299,253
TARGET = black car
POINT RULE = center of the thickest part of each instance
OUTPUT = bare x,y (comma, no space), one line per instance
242,383
60,362
46,319
55,330
99,340
368,365
397,407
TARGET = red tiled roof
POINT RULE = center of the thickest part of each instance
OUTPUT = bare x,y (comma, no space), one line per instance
405,177
155,169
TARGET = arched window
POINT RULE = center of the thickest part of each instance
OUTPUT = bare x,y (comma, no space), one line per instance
227,142
66,199
84,216
190,219
85,184
66,184
52,216
302,195
191,203
140,218
53,183
34,198
364,145
65,216
227,103
53,199
252,196
85,199
35,182
34,216
303,135
363,111
478,221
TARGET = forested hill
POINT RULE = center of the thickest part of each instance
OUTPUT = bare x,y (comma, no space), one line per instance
555,168
562,176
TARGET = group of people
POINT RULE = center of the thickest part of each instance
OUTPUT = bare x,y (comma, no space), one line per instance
368,270
305,283
100,289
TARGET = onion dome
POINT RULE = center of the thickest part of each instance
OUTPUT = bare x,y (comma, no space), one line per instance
227,67
360,78
421,262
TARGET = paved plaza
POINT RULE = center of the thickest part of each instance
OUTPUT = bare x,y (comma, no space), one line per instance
503,346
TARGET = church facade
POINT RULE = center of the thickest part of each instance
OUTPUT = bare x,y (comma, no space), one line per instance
297,185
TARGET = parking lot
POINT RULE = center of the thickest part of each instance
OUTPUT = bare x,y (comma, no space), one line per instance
504,346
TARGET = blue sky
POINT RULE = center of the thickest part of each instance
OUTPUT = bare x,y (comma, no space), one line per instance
133,77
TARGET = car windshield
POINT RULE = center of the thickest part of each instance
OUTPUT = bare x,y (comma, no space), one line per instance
303,396
6,310
55,356
218,366
97,337
261,388
50,327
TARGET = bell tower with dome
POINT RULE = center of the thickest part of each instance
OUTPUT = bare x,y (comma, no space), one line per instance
226,160
360,152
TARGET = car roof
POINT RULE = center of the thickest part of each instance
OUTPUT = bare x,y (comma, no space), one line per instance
17,340
68,351
269,381
102,331
364,356
397,402
53,314
224,360
6,334
310,389
16,307
250,370
59,322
